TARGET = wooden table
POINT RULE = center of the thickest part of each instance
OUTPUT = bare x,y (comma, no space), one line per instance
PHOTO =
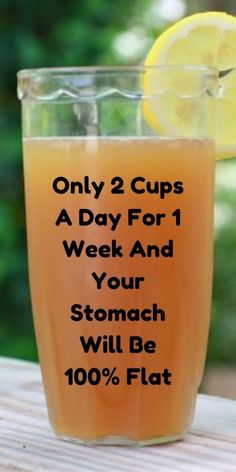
27,443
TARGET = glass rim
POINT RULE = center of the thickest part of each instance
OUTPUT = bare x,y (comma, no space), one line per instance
110,70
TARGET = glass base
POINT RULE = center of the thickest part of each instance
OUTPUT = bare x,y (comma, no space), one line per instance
122,440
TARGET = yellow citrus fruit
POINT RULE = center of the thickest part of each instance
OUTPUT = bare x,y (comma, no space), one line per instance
207,40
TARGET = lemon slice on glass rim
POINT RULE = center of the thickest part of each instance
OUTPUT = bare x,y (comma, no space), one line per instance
207,40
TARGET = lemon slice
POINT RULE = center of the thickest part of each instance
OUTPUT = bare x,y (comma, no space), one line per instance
204,39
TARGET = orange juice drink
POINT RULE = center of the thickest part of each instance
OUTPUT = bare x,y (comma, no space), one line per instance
120,259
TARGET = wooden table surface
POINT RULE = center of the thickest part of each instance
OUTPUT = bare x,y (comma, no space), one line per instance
27,443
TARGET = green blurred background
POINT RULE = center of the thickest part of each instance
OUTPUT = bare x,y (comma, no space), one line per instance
85,32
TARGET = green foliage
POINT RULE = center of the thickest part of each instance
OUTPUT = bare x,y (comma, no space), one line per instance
223,327
41,34
73,33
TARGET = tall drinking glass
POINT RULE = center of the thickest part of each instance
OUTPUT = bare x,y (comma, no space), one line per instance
119,172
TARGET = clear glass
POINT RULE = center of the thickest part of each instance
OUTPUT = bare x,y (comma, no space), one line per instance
119,177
